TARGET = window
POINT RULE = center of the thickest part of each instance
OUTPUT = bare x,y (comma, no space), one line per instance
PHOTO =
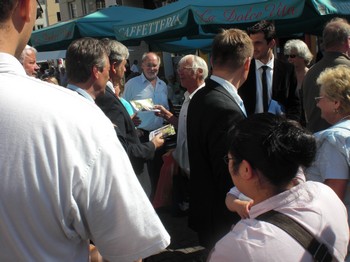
58,15
57,1
100,4
73,10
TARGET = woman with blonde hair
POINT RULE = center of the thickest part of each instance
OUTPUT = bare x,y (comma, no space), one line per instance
333,154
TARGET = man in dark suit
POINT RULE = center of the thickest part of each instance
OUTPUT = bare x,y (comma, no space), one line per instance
212,112
281,82
112,106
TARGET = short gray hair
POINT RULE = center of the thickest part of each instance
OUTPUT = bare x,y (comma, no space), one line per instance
116,50
301,49
144,57
197,62
25,52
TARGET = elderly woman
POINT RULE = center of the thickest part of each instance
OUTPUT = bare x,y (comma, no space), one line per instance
300,56
264,156
333,144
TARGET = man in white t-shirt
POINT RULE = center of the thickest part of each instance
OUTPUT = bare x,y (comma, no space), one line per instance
134,68
65,178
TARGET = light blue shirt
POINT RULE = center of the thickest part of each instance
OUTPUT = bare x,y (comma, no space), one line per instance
231,89
138,88
333,157
81,92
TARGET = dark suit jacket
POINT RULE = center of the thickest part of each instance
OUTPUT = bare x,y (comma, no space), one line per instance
284,84
138,152
211,114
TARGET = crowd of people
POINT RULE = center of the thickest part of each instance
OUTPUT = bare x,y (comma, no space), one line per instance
262,147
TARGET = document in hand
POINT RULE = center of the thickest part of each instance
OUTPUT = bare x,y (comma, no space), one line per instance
143,105
167,130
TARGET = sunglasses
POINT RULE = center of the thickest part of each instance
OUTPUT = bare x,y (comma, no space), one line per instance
292,56
39,10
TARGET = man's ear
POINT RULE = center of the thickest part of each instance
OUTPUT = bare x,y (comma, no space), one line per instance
272,43
113,67
95,72
245,170
247,64
25,10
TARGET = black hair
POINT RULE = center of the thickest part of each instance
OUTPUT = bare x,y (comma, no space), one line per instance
273,145
81,56
6,6
265,27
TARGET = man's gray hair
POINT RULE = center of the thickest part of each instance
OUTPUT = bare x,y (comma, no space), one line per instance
25,52
197,62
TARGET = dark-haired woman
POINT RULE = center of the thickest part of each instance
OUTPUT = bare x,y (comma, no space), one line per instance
264,156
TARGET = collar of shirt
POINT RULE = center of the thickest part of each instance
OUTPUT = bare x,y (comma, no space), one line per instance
10,64
144,79
110,86
259,64
81,92
232,91
195,91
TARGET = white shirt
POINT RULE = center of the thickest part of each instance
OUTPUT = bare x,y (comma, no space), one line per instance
65,178
134,68
181,151
259,108
140,88
232,90
312,204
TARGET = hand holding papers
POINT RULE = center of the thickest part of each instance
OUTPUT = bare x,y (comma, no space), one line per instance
144,105
166,131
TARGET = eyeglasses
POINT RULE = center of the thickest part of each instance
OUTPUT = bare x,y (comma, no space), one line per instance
39,10
185,68
318,98
227,159
292,56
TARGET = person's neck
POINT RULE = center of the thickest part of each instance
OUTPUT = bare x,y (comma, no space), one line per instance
266,192
267,59
342,118
235,78
115,81
87,87
193,88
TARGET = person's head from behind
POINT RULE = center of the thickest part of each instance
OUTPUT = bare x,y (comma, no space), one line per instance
150,65
28,60
232,50
336,35
50,79
298,52
192,71
265,152
17,19
87,64
334,99
118,55
263,35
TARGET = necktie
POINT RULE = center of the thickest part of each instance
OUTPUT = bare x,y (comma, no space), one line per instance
264,87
